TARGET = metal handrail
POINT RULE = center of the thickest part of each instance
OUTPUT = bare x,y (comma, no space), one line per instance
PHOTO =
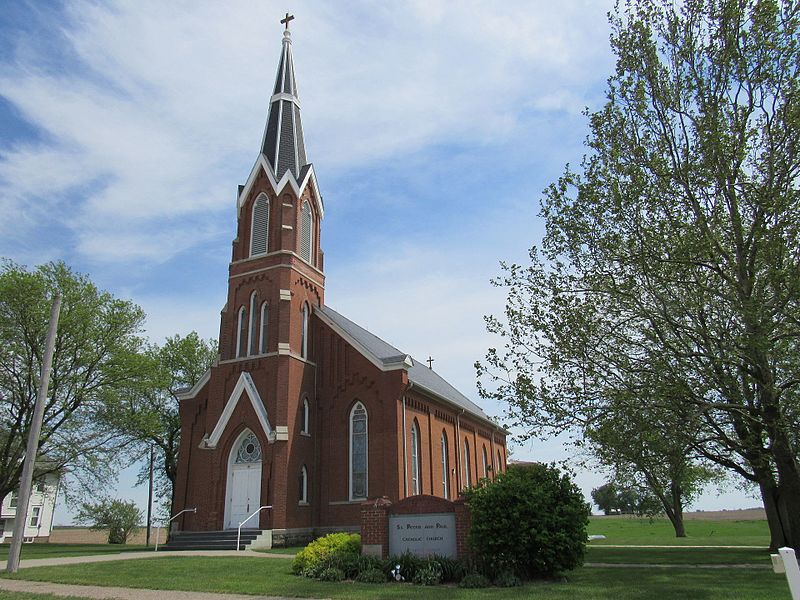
239,532
158,527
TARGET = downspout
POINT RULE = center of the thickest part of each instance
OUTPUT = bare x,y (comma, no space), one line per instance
458,450
405,451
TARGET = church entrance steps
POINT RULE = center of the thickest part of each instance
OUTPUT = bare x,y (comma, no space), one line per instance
210,540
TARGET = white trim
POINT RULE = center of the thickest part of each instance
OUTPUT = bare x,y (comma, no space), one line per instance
284,96
244,385
404,364
277,186
253,321
350,453
289,227
239,353
306,430
187,395
278,266
283,348
303,500
281,433
286,294
264,326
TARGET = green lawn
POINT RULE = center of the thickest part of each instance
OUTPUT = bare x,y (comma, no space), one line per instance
268,577
4,595
678,556
289,550
659,532
59,550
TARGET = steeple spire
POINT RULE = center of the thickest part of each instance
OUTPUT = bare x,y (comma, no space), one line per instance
283,145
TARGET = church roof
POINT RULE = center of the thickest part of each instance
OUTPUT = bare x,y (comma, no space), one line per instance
283,144
384,353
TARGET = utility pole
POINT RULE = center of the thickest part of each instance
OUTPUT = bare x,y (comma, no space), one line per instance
26,480
150,494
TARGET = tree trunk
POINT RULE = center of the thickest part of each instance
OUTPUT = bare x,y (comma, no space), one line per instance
769,496
788,499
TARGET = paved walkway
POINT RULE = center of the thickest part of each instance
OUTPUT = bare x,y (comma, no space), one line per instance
674,566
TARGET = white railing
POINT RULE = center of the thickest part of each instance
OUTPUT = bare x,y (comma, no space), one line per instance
158,527
239,532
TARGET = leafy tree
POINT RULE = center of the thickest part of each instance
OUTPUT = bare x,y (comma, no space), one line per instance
530,521
146,410
119,517
96,349
672,255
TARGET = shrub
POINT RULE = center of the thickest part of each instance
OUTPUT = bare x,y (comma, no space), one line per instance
530,521
507,579
321,549
371,575
429,574
409,565
453,570
474,580
119,517
370,563
331,574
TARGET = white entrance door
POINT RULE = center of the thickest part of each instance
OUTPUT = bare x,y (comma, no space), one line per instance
245,494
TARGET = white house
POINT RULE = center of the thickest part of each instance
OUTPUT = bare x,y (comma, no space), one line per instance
40,511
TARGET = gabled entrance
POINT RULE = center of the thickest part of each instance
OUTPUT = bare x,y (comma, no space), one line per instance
243,496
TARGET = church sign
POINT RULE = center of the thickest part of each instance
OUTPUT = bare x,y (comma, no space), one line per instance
423,534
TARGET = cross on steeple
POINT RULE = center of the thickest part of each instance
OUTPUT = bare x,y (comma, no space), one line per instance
286,20
430,362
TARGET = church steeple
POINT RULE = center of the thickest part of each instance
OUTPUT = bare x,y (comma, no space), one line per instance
283,144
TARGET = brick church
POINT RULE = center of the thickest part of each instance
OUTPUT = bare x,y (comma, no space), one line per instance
305,410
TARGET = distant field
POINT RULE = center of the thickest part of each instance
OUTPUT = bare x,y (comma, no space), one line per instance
60,550
659,532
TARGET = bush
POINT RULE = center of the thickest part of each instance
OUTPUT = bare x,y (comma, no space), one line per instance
320,550
119,517
453,570
371,575
331,574
530,521
409,565
507,579
474,580
429,574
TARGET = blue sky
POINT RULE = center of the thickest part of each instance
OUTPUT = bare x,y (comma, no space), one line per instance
433,127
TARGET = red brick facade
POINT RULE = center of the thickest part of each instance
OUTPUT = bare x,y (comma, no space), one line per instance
332,376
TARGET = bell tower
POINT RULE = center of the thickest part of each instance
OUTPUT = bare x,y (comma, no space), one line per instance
275,282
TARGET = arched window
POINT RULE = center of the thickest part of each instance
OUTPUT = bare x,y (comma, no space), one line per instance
253,323
358,452
445,468
485,463
306,232
467,470
241,335
415,458
249,450
499,463
304,339
306,417
262,341
259,237
303,491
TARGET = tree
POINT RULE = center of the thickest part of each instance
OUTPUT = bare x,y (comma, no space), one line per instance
673,254
96,350
119,517
146,410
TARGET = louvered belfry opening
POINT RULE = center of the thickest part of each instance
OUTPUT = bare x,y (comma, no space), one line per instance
283,145
260,234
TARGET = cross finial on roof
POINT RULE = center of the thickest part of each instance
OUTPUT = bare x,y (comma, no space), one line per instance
286,20
430,362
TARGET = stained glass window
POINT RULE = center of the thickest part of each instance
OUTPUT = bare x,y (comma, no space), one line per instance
358,452
249,450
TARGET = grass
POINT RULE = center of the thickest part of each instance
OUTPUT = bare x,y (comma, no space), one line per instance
659,532
61,550
6,595
287,550
268,577
678,556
